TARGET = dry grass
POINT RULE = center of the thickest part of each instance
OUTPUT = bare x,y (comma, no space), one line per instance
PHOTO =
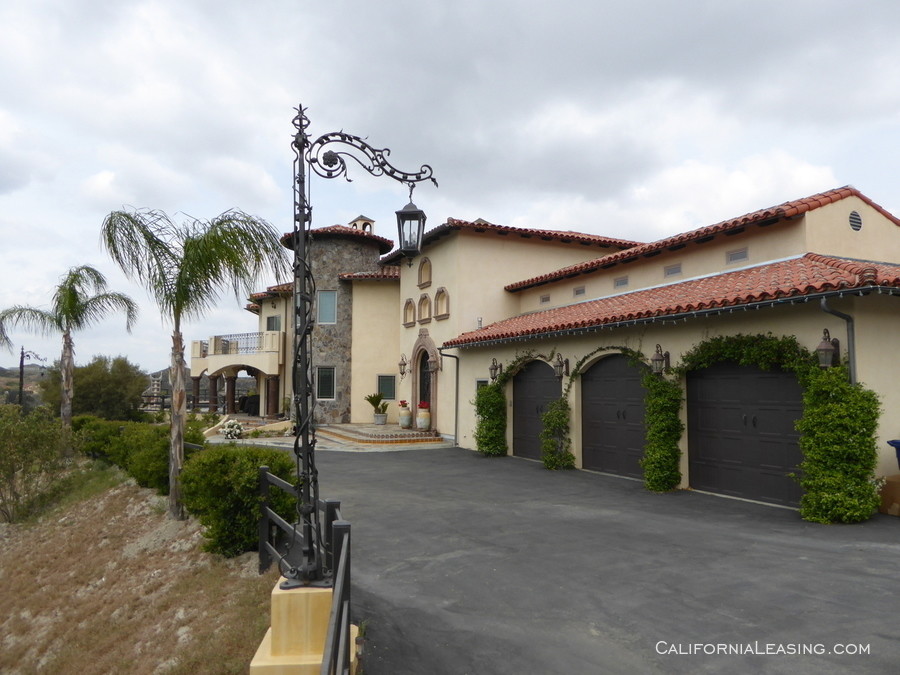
110,585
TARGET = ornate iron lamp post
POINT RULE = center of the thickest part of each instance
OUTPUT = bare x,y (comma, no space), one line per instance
328,163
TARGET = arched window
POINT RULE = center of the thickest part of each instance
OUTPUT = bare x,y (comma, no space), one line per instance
409,312
424,308
441,304
425,273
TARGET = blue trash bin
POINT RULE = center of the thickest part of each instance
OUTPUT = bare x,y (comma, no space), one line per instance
896,445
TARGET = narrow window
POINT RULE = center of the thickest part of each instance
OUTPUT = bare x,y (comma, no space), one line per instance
740,255
326,307
620,282
578,291
273,322
424,273
424,308
672,270
441,304
325,389
545,299
409,312
387,387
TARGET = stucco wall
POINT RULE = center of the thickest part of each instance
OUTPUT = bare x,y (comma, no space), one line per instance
376,334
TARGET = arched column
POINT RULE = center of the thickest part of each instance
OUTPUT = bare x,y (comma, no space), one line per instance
273,385
213,393
195,391
230,388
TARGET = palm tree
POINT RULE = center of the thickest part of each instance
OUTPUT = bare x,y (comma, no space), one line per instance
73,308
183,268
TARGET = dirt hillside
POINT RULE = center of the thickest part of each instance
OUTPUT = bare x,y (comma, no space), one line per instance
111,585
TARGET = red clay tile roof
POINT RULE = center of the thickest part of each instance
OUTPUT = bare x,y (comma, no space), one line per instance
482,226
384,245
763,216
273,291
795,278
386,273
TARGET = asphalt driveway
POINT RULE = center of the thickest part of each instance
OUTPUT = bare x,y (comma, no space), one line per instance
463,564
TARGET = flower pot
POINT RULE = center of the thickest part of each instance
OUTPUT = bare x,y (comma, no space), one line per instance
423,419
380,418
405,415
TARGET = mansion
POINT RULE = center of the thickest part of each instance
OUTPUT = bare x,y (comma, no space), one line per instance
479,295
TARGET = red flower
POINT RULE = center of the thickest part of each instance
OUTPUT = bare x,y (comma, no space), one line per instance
402,404
424,405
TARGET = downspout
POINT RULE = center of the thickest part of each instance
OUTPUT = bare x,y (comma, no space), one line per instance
851,336
456,399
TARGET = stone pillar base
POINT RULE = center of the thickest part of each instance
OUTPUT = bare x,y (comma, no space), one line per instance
295,642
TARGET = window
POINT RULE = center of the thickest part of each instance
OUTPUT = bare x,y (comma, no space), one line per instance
578,291
387,387
545,299
740,255
441,304
480,383
325,388
326,307
620,282
409,312
672,270
273,322
424,308
425,273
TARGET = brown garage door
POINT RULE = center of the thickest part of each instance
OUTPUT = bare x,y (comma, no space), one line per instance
742,440
534,387
612,413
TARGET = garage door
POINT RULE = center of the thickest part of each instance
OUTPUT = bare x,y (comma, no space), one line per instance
612,413
742,440
534,388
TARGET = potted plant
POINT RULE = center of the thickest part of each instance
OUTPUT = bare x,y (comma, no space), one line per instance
405,415
423,416
380,407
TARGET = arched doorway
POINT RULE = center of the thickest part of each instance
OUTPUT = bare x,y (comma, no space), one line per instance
424,378
534,388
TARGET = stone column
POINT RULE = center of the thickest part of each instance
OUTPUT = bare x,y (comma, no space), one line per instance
195,404
230,386
213,393
273,384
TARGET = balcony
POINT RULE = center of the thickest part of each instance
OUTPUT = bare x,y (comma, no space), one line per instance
263,351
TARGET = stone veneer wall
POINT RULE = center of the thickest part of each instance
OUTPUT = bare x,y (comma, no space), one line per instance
331,343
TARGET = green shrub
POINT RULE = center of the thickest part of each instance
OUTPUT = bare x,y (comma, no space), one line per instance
662,455
490,428
555,439
220,486
31,448
838,441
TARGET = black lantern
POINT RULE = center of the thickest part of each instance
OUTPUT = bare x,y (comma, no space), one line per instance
828,350
659,362
403,364
561,366
410,229
495,369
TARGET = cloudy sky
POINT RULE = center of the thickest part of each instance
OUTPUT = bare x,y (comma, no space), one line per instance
633,119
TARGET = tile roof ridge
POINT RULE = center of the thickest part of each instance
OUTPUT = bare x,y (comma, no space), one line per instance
788,209
481,224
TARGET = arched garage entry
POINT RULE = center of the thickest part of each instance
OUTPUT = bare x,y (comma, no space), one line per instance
612,414
741,436
534,388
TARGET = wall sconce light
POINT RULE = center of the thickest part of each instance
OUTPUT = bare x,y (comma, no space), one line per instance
495,369
659,362
561,366
403,365
828,351
273,307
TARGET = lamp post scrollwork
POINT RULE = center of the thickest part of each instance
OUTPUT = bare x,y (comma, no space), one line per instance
327,157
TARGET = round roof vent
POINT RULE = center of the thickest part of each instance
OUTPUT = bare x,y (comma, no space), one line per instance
855,221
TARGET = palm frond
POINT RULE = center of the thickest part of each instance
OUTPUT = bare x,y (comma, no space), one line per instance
31,319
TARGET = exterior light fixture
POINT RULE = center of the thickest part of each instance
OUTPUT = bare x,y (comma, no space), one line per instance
410,228
561,366
495,369
828,350
403,365
659,362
